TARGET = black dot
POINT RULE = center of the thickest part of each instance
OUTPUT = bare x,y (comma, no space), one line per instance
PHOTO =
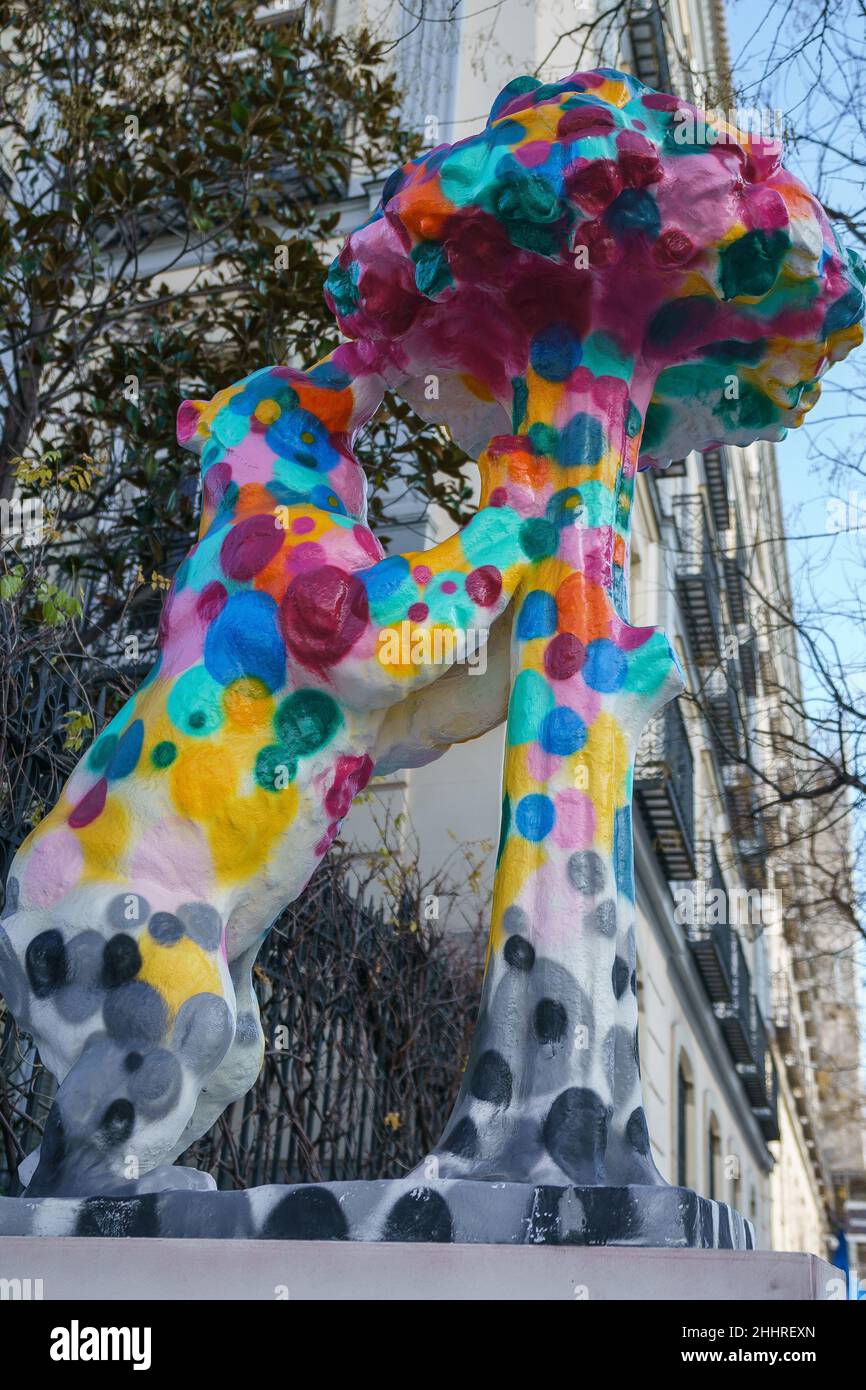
620,977
550,1020
45,959
633,982
575,1134
586,872
165,928
306,1213
108,1216
133,1061
197,719
121,961
118,1122
491,1079
463,1139
519,953
603,918
636,1131
420,1215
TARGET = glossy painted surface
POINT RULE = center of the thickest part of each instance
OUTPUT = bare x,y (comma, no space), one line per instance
573,291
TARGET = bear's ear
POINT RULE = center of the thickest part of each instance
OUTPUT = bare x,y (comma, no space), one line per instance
192,429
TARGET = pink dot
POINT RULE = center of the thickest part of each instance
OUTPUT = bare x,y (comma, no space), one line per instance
418,612
53,868
302,525
421,574
449,587
575,820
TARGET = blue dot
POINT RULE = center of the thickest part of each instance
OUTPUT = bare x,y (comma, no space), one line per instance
384,580
634,210
244,640
605,666
555,352
537,616
127,752
534,816
581,441
562,732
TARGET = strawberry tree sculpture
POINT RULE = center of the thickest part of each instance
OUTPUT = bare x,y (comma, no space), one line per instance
572,291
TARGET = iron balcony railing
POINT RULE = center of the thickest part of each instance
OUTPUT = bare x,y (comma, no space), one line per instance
709,932
664,791
767,1112
748,655
697,580
646,30
724,715
734,565
716,472
735,1016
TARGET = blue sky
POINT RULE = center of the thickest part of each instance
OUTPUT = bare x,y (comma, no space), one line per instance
827,565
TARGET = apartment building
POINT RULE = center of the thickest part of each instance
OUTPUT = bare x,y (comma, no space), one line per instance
737,1011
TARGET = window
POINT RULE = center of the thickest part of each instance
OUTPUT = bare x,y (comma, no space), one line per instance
714,1159
685,1117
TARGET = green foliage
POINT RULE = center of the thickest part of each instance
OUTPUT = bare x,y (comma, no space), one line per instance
174,180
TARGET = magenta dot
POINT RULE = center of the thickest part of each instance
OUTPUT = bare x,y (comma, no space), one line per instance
89,807
211,601
418,612
302,525
367,541
484,585
564,656
216,480
307,556
421,574
250,546
449,587
498,497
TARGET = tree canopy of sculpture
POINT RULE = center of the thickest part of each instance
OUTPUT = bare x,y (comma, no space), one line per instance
572,291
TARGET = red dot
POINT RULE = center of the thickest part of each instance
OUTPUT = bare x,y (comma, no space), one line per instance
418,612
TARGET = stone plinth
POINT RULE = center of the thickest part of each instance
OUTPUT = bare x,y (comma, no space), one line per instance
103,1268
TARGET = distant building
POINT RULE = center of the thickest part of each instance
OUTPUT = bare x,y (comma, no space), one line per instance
742,1021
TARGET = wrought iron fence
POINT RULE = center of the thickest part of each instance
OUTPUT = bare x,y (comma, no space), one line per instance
367,1023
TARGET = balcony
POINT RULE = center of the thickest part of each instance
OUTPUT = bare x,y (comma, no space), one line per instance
734,565
709,932
748,655
697,579
646,30
723,712
716,471
735,1017
664,791
767,1112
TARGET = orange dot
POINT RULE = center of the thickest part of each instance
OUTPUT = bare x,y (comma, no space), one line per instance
583,608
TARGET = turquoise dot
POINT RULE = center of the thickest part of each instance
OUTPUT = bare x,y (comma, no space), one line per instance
538,538
531,699
534,816
195,703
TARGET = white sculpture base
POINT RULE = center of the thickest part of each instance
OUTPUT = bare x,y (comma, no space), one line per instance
341,1271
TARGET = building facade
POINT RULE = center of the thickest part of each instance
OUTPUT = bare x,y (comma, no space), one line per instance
736,1014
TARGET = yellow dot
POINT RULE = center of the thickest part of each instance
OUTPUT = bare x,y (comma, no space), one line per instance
308,438
247,703
267,412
